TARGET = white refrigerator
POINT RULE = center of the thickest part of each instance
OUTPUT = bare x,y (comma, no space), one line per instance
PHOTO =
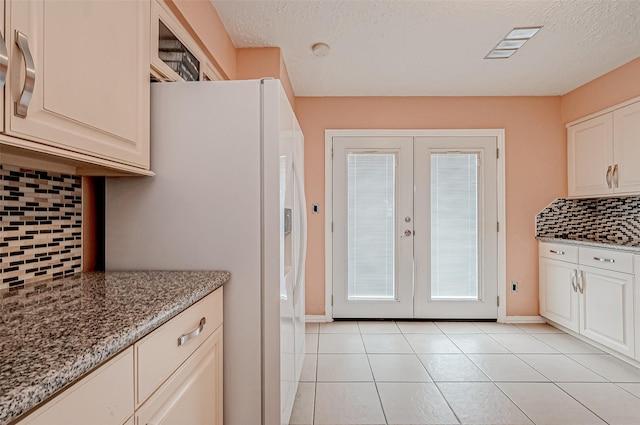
228,195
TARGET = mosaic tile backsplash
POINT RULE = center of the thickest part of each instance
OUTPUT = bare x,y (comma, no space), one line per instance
605,220
40,225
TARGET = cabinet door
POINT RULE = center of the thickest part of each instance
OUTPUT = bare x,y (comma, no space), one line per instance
193,394
626,149
590,154
91,85
558,299
104,397
607,309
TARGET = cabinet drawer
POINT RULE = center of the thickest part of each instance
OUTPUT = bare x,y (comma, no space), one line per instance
607,259
192,395
558,251
159,353
104,397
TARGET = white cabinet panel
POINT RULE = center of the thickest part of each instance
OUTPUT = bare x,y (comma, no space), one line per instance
590,153
591,296
193,394
607,309
603,153
91,85
558,297
626,130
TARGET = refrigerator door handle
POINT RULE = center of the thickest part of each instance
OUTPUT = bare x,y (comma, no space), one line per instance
302,253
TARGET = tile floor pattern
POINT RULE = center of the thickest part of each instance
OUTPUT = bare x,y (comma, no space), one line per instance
418,373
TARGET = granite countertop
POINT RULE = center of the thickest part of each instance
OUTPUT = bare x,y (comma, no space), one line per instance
628,246
54,332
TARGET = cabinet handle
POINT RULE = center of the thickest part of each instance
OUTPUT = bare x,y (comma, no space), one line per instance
574,276
609,177
22,104
581,282
604,260
615,176
194,333
4,61
553,251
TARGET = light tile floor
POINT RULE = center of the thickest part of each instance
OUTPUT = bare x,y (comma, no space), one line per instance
418,373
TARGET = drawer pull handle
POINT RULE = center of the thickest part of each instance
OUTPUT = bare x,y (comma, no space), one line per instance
553,251
194,333
608,178
604,260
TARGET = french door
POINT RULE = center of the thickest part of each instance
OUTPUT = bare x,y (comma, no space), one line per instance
415,227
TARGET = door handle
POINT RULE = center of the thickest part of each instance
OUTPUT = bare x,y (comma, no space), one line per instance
615,176
581,282
4,61
574,276
407,233
22,104
609,177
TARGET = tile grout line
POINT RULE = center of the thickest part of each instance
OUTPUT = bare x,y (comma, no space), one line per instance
375,382
435,384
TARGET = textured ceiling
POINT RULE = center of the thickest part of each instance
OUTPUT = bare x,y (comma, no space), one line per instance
436,48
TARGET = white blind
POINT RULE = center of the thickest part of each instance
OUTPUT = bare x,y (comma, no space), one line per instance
371,225
454,226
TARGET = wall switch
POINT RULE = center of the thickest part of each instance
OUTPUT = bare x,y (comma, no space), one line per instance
514,286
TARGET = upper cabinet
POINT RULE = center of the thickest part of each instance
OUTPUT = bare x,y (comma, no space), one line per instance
603,153
175,56
78,79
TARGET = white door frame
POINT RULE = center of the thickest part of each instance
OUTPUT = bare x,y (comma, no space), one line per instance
499,134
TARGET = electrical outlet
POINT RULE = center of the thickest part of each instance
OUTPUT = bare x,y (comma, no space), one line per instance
514,286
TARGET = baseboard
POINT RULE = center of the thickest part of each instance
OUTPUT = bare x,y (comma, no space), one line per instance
524,319
317,318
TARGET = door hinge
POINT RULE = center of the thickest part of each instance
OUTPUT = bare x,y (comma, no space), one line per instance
497,153
498,226
498,301
332,300
331,153
332,227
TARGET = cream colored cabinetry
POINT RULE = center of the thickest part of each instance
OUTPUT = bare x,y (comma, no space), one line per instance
559,298
175,56
171,376
105,397
603,152
592,294
193,394
78,79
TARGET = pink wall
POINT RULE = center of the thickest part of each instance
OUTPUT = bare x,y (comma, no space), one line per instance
254,63
536,167
202,21
614,87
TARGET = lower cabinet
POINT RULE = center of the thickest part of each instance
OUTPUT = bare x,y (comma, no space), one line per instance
182,384
591,293
559,299
193,394
607,308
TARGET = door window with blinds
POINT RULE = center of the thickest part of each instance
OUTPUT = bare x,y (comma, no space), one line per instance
454,226
371,263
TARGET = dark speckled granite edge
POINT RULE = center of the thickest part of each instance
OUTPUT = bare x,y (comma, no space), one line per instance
16,404
631,249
